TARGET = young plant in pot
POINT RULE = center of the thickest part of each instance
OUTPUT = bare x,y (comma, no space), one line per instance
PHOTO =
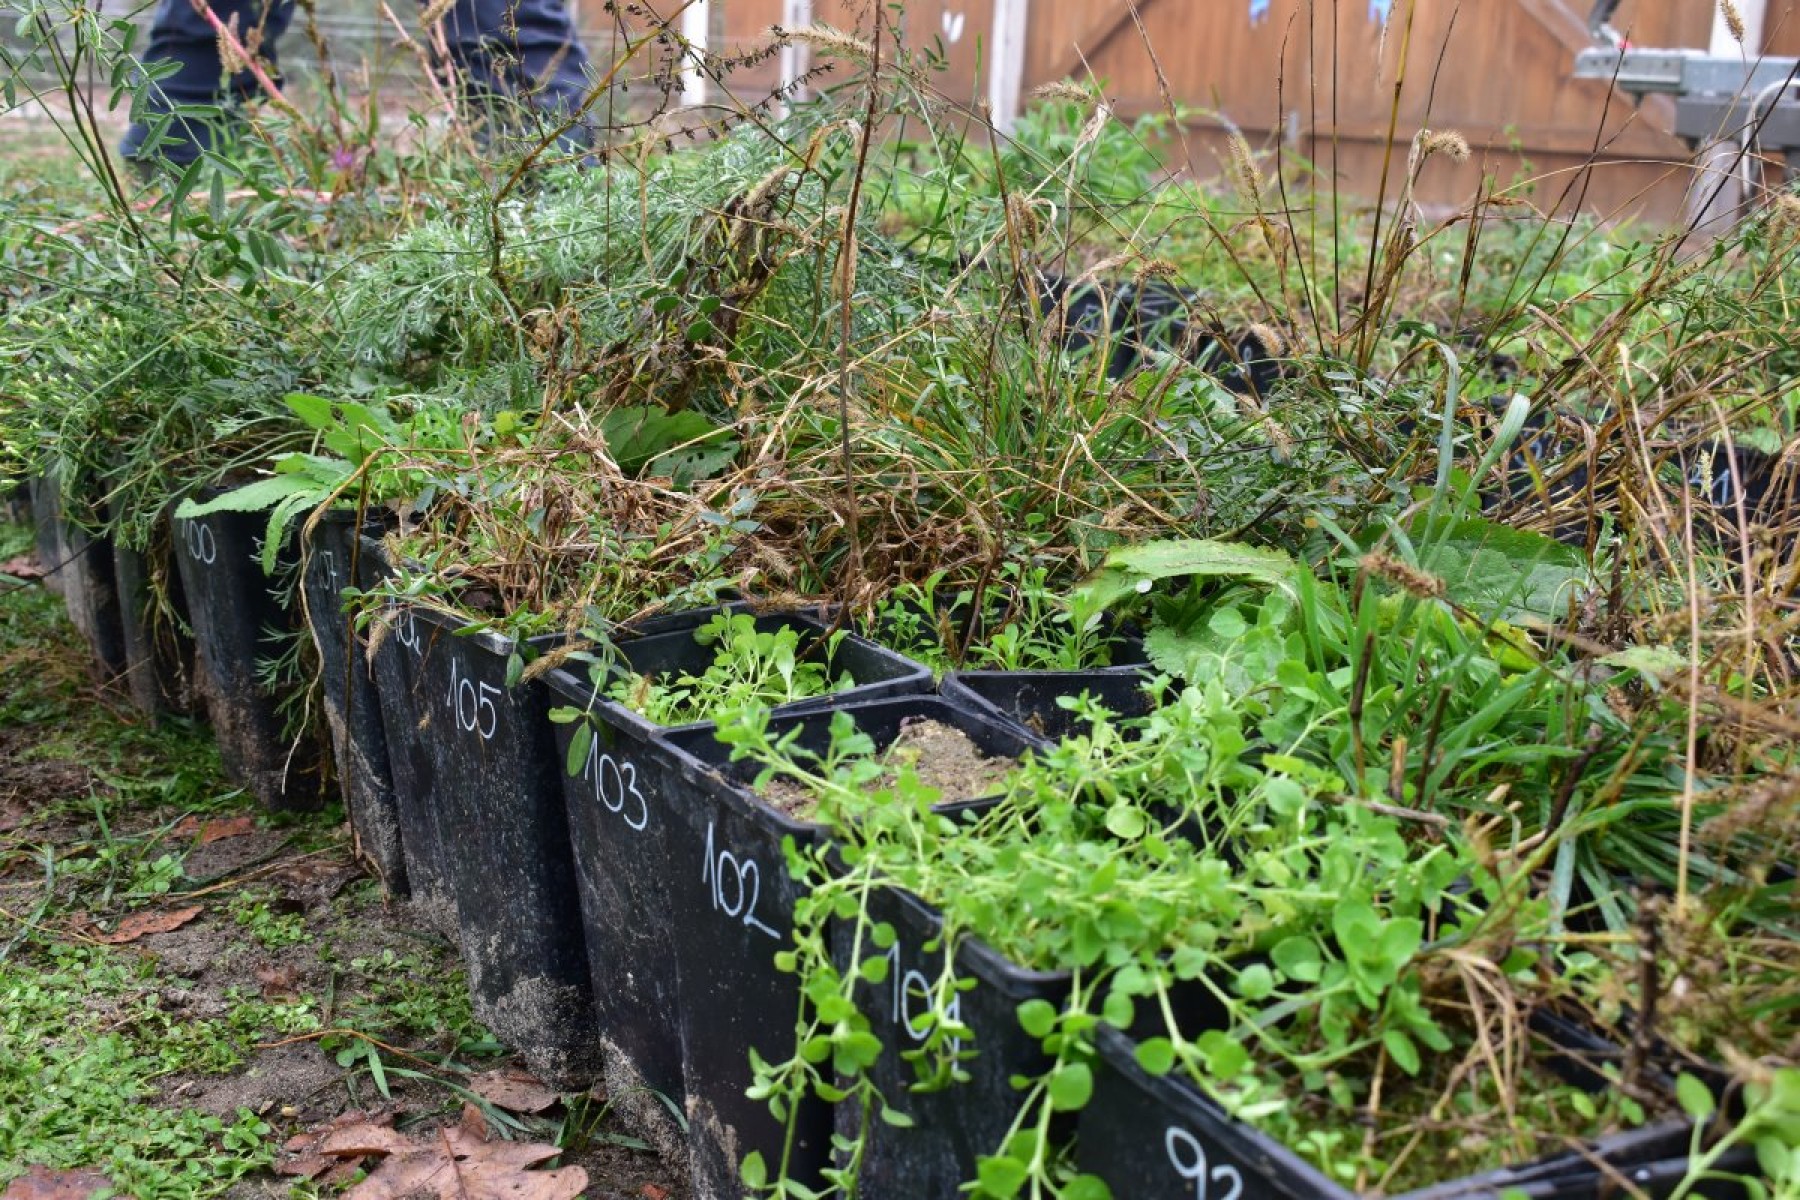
639,820
1014,622
1338,947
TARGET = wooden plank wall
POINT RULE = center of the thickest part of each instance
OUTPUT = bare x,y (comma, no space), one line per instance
1317,78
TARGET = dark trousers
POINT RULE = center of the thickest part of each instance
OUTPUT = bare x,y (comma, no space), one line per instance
512,51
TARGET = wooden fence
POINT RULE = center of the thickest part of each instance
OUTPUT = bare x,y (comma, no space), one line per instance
1320,77
1317,78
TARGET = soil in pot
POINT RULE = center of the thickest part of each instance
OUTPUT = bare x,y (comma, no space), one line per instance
734,902
941,756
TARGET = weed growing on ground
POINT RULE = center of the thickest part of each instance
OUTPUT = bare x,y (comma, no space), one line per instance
77,1086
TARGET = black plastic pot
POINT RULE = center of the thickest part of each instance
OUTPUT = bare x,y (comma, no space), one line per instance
397,658
667,647
79,566
504,837
1161,1138
159,654
239,621
16,506
1028,699
92,597
956,1125
46,528
733,906
619,802
358,738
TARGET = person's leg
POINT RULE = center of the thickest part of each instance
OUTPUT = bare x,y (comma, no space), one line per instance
521,51
182,36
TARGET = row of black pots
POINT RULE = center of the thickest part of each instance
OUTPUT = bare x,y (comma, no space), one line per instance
109,592
685,898
623,917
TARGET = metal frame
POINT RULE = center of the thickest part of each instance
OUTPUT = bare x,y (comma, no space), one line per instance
1718,98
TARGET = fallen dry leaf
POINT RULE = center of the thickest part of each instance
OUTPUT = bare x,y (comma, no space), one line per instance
278,982
452,1164
514,1090
42,1183
142,924
216,830
25,567
309,1162
652,1191
226,827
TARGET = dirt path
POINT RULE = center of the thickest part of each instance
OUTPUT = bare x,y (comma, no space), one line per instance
197,1001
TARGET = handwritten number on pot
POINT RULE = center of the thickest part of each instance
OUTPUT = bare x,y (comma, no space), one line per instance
201,545
473,703
736,886
406,629
1188,1158
615,783
910,988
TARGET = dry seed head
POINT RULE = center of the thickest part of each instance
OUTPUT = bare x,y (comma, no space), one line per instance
1269,338
1784,214
1734,20
1090,132
827,40
434,12
1022,217
1243,168
1407,577
1153,268
229,59
1103,268
757,200
1062,89
1447,142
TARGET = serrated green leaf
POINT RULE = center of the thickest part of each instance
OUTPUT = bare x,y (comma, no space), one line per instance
1132,568
1496,570
257,496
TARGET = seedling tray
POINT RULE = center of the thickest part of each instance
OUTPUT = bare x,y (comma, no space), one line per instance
732,902
504,840
1028,699
358,739
238,621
